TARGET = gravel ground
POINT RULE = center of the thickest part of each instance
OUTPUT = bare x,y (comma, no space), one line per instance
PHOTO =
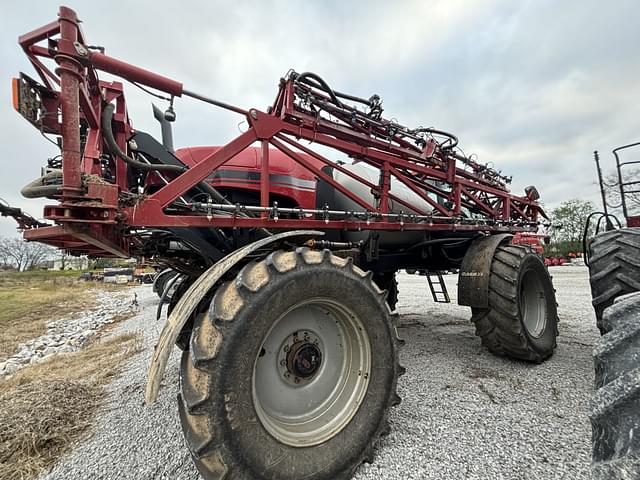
464,413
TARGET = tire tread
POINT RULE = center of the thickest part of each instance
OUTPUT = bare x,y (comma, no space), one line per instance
499,326
200,435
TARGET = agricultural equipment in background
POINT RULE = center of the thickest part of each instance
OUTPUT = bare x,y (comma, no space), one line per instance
536,242
287,258
614,269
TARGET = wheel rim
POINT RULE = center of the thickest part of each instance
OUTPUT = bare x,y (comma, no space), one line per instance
312,372
533,304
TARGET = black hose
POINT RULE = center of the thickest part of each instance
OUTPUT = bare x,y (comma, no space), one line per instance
107,132
449,241
114,148
325,86
451,136
303,78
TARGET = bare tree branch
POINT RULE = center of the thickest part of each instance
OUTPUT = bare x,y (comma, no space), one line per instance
21,255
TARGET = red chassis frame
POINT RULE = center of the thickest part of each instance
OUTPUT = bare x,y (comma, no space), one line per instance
90,219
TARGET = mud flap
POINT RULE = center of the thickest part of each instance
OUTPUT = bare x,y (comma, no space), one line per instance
473,279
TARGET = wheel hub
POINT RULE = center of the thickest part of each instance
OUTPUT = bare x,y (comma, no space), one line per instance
304,360
312,372
300,357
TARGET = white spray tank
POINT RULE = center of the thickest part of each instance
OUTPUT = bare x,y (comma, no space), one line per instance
397,188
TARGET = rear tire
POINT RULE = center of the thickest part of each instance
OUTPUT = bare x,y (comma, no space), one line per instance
236,421
614,268
615,417
522,320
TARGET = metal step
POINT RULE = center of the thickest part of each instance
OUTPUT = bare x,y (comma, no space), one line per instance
438,287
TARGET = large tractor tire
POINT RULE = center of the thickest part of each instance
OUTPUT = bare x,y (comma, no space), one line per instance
521,321
292,371
615,417
614,268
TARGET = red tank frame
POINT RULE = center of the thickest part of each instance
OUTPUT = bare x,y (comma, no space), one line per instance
90,221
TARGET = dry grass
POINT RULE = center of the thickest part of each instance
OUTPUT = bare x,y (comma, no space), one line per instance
31,299
45,406
27,303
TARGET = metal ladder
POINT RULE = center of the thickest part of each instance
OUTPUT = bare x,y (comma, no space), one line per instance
438,287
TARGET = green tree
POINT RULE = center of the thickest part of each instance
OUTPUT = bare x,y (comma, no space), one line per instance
569,219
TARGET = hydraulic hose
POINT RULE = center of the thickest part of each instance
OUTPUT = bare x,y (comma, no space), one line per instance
452,138
107,132
311,78
303,77
38,188
448,242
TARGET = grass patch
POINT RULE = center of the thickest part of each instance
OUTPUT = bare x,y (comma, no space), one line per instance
27,304
28,300
45,406
38,275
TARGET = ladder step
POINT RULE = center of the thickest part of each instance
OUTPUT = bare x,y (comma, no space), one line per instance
440,295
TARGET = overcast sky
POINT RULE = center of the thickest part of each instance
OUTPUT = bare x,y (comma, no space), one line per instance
533,86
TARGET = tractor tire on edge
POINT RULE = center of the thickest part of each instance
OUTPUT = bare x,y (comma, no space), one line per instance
521,321
615,416
614,268
247,350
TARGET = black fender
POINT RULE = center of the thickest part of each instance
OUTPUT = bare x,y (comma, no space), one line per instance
473,279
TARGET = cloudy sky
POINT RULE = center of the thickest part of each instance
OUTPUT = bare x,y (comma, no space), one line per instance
533,86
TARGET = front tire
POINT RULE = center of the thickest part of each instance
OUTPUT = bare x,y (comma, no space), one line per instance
521,321
271,344
614,268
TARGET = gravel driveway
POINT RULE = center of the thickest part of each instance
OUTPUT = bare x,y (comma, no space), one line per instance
465,414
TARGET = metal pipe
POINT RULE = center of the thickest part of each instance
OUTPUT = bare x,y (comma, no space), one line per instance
165,127
367,216
603,194
264,175
134,74
70,70
202,98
